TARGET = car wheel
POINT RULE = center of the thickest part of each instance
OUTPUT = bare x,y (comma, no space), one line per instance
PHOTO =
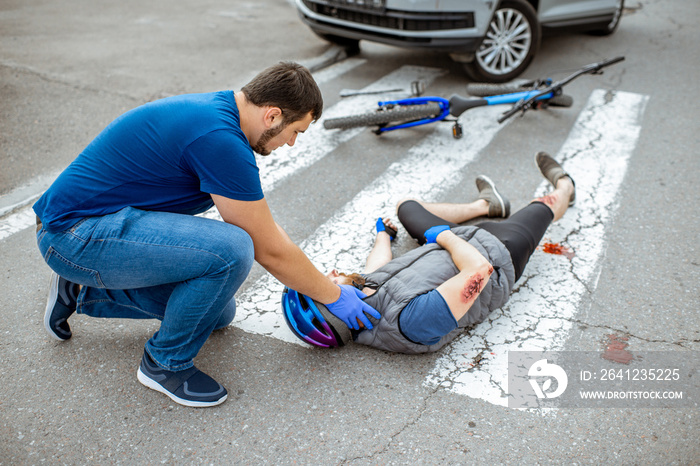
510,44
614,22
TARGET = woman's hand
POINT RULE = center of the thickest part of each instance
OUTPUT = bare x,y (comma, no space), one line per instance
381,250
432,233
385,225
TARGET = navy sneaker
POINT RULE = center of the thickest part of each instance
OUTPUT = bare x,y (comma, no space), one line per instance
63,299
190,387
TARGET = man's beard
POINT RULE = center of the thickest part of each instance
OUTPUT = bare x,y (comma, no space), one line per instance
265,137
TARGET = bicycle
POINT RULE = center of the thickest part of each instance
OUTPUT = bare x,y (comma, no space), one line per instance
524,96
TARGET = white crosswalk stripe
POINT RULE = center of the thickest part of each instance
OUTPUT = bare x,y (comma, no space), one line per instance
428,169
317,143
16,222
547,297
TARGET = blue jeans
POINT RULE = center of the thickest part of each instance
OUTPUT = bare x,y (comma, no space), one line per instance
180,269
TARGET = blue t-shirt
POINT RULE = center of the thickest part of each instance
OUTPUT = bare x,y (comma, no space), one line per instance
427,318
168,155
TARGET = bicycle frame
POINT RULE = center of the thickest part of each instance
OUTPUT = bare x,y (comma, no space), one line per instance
458,105
416,111
593,68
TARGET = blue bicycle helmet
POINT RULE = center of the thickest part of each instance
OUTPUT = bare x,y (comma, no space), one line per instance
312,322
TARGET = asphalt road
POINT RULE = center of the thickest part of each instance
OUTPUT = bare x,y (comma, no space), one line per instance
68,68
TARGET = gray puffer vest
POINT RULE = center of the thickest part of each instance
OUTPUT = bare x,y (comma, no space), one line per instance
423,270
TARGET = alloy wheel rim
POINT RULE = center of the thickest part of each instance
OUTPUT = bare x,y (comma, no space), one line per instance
507,42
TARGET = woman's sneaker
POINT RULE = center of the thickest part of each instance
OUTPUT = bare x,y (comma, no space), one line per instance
190,387
551,170
63,299
499,206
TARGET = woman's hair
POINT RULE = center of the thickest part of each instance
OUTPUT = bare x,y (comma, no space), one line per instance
358,281
288,86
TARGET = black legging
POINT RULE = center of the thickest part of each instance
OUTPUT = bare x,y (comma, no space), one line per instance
520,233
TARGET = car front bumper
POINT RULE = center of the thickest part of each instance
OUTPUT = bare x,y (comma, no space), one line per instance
443,31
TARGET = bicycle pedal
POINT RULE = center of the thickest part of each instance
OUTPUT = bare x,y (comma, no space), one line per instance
457,132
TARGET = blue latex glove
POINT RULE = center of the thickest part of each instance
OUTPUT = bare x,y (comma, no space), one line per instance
350,307
381,227
432,233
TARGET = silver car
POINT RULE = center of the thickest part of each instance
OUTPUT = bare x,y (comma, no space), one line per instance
494,39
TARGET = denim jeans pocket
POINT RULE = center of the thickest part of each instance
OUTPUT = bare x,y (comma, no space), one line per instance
40,235
71,271
84,228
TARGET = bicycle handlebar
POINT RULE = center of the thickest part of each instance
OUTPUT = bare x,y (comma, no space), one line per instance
524,105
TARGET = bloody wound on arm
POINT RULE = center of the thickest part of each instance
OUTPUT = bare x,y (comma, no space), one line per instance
463,289
473,287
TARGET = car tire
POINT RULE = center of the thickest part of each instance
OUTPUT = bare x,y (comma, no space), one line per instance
611,27
350,44
500,62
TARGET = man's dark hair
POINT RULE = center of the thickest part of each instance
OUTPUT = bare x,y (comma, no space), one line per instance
290,87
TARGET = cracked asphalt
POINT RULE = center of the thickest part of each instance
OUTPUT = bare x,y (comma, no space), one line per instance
68,68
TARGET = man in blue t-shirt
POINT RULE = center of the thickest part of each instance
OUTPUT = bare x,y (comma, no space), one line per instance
117,227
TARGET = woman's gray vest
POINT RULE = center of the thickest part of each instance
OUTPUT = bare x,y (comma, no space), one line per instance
423,270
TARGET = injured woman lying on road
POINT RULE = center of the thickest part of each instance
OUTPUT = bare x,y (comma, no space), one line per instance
455,278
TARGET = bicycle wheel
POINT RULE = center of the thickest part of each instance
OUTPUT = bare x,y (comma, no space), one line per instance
488,89
401,113
561,100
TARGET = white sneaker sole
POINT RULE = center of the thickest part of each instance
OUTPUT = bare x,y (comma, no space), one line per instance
152,384
571,201
50,303
492,185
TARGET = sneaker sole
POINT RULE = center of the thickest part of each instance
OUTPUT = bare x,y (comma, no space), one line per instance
501,202
50,303
571,201
152,384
